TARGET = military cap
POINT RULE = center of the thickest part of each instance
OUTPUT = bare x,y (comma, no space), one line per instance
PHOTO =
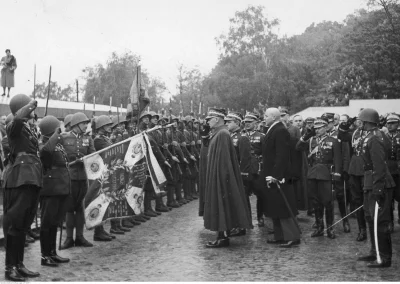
392,118
163,118
309,120
234,115
284,111
320,122
328,116
188,118
216,112
251,116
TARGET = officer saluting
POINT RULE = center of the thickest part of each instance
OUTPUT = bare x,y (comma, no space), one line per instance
378,188
22,183
77,144
323,152
55,191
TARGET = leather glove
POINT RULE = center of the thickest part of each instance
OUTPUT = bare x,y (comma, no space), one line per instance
310,133
336,176
204,130
186,161
379,196
175,159
167,164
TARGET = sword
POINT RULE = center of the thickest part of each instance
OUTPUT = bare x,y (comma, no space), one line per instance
378,256
345,197
344,218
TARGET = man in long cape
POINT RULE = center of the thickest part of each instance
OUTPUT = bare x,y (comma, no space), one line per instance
225,204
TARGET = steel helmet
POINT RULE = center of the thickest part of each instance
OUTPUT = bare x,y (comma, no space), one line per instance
78,118
369,115
19,101
48,125
103,120
145,113
188,119
153,114
67,119
117,120
9,118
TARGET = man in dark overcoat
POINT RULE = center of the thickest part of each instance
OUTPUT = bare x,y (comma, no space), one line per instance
276,160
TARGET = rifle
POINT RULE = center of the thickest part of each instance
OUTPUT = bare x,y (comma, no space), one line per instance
178,167
165,150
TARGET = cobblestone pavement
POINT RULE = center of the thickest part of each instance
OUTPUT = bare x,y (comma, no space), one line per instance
171,248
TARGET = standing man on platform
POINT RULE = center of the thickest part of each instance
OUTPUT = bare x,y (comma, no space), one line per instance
9,64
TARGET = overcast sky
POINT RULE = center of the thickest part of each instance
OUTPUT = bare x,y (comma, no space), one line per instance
73,34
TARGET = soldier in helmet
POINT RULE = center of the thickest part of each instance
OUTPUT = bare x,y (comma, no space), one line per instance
77,144
55,191
378,189
67,122
22,183
324,159
392,123
119,132
102,128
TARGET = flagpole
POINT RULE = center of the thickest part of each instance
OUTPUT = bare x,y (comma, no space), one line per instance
138,71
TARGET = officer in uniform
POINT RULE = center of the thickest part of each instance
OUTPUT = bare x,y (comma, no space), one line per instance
77,144
356,181
22,183
255,185
323,152
339,185
102,128
67,122
242,146
55,191
392,122
378,189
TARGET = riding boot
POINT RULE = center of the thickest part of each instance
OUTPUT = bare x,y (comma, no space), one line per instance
45,247
342,210
362,226
178,194
53,247
11,271
20,255
69,224
385,246
372,252
80,240
195,194
329,221
319,223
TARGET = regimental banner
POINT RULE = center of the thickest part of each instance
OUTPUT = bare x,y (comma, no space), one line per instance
116,177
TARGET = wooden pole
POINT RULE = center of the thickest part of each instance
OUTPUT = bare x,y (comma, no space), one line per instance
48,93
77,91
34,82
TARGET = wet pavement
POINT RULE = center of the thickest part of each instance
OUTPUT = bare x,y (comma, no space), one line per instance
170,247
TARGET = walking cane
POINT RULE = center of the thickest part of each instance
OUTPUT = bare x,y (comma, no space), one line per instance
378,256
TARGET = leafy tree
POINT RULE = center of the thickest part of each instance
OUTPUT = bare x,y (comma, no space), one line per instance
56,92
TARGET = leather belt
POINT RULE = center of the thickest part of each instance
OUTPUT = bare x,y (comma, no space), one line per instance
25,153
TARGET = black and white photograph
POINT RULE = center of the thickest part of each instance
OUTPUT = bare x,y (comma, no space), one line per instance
200,141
